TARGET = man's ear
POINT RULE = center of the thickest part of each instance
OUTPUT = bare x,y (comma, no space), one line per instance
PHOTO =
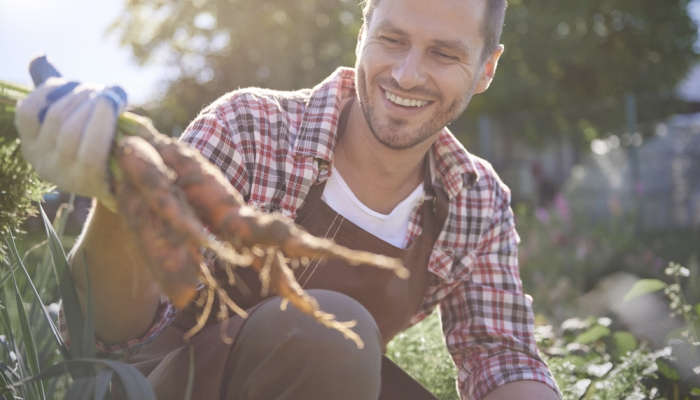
489,69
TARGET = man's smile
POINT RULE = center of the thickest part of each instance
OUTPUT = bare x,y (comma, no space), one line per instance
404,101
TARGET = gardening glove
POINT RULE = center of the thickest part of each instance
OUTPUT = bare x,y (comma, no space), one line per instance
67,130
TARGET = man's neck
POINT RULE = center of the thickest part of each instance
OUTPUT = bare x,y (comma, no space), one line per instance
379,176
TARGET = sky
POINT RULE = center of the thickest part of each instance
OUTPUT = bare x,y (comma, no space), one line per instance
74,42
72,34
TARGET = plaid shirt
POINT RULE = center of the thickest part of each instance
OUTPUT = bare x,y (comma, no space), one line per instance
274,145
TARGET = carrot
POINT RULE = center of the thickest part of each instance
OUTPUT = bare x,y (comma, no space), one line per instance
165,242
222,208
170,234
182,189
149,197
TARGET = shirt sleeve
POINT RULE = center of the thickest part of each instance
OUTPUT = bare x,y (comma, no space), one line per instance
210,133
487,319
165,314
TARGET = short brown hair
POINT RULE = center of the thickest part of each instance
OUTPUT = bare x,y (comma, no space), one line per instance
492,28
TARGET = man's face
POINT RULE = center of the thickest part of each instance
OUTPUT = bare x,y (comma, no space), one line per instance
418,65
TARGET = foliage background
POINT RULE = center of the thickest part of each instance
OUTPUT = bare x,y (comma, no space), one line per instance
566,72
566,69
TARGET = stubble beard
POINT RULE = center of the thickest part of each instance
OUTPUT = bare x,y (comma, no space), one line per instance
386,133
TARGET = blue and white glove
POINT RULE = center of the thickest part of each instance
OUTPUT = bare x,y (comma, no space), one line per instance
67,130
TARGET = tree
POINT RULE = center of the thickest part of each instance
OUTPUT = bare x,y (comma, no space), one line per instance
567,68
220,45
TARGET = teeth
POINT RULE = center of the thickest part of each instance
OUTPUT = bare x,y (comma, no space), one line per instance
405,102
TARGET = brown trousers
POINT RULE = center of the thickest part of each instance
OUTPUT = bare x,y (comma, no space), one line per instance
280,355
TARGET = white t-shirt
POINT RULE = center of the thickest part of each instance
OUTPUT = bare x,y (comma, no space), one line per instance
391,228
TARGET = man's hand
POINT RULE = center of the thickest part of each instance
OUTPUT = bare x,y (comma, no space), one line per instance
67,129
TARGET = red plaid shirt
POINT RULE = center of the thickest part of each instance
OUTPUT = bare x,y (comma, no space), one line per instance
274,145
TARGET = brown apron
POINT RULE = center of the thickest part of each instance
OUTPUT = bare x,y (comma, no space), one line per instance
391,301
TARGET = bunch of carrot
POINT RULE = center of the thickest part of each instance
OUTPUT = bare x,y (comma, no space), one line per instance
178,203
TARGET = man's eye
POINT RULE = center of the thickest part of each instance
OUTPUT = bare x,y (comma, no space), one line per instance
446,56
389,39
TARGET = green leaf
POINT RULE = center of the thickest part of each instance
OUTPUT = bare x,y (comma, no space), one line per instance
59,225
624,343
54,330
71,306
8,87
9,343
32,357
190,375
644,286
695,391
576,360
135,385
4,312
667,370
81,389
697,309
62,213
88,347
593,334
104,377
8,274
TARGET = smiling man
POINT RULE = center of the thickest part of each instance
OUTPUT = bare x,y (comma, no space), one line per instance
364,158
418,66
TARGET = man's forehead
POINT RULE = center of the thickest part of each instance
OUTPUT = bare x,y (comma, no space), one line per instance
445,20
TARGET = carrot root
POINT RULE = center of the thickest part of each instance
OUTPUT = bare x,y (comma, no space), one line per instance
176,201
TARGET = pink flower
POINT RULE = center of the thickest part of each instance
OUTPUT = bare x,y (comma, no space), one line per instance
562,207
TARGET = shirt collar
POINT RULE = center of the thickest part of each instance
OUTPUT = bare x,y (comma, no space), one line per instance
450,163
318,132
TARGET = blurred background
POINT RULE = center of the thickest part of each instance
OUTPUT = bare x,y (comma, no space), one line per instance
593,119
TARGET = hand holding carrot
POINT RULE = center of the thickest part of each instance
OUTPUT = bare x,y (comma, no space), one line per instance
67,130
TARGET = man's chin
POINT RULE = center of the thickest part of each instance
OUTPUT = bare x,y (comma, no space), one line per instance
399,141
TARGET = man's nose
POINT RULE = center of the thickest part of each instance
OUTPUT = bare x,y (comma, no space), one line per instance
408,71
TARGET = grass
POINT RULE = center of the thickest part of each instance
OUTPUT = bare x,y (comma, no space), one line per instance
421,351
35,360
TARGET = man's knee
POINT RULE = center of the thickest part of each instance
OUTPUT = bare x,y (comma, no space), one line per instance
342,307
311,340
294,349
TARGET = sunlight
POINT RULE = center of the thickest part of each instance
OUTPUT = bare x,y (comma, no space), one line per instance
21,5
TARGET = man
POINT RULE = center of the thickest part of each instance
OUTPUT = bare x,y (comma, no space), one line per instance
367,147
